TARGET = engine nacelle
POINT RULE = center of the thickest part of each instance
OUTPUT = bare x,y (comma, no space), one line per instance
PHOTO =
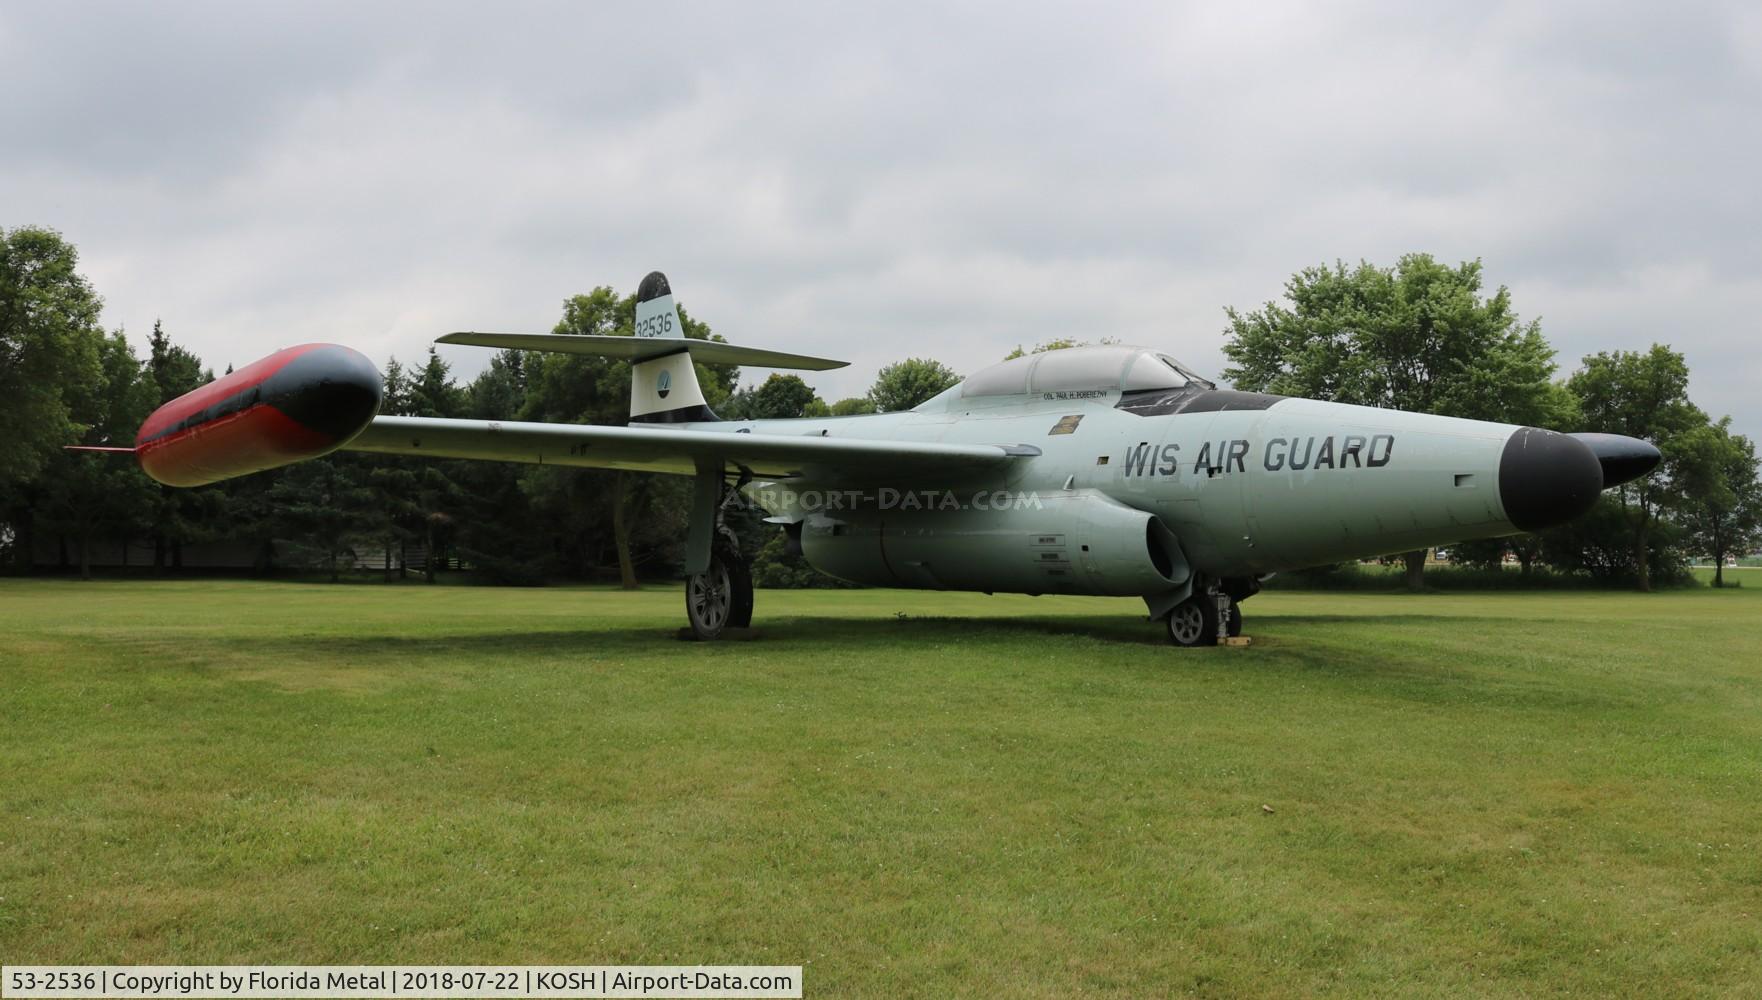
1067,543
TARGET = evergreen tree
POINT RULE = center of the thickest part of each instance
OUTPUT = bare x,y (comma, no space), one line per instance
499,391
433,392
178,515
174,370
395,514
395,394
324,509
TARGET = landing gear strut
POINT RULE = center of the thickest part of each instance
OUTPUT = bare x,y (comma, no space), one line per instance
1195,621
720,595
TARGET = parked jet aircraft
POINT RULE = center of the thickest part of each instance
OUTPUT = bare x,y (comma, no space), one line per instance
1092,470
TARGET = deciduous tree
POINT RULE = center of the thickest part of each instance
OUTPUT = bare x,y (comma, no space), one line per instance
852,406
905,384
87,496
49,347
586,506
1721,494
1643,394
783,397
1419,336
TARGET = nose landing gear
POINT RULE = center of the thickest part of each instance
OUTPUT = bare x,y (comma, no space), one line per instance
1194,622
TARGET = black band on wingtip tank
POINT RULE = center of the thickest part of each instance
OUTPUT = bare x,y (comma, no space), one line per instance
329,389
653,287
1547,478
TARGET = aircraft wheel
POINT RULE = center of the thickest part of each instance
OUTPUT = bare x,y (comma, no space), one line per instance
1235,623
740,575
1194,622
710,599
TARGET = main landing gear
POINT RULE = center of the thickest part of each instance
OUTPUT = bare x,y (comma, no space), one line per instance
1195,621
718,582
721,597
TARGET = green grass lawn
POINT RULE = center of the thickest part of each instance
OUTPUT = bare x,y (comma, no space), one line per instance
907,793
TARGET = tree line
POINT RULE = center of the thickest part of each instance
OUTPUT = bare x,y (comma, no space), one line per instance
1421,336
1417,336
64,379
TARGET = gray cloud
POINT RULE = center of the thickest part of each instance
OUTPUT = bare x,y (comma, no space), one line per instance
881,182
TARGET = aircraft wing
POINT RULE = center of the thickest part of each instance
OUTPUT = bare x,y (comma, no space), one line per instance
660,448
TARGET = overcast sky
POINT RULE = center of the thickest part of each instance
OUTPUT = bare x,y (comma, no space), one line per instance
880,181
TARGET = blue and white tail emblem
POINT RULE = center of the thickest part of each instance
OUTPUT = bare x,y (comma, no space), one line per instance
663,384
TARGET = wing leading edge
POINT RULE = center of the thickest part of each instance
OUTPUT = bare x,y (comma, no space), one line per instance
664,449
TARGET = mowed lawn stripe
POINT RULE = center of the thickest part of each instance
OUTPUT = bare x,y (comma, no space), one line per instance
909,793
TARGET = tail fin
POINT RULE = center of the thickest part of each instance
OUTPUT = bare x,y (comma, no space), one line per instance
664,388
663,383
656,315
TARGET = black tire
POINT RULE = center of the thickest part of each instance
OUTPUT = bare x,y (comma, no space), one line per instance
1235,624
740,612
1193,622
709,599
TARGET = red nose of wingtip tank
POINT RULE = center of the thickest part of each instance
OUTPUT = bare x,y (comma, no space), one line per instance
296,404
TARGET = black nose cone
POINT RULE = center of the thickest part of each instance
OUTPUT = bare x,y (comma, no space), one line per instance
1547,478
1623,458
330,388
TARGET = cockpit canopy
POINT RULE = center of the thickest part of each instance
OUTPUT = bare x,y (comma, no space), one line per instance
1117,367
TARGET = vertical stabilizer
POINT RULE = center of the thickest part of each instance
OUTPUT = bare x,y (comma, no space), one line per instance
656,316
664,389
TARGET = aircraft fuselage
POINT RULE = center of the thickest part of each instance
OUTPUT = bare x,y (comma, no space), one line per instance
1276,484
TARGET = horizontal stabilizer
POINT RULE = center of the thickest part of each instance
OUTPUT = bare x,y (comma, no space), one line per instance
642,348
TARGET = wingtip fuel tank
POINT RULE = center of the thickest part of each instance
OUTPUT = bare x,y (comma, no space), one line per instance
295,404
